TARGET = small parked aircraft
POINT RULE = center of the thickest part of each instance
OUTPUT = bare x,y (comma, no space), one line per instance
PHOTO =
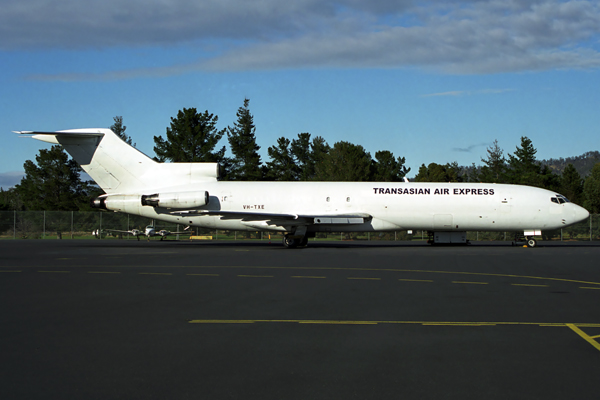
149,232
191,194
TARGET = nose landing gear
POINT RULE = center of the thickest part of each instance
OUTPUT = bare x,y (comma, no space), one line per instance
527,240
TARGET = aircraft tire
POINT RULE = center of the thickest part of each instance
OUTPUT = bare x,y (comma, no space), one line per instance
290,243
531,242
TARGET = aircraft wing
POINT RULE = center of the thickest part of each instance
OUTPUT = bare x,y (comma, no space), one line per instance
284,219
129,232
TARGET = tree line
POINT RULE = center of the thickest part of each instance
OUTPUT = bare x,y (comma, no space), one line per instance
193,136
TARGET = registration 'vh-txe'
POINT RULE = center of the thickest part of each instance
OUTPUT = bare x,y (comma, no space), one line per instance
191,194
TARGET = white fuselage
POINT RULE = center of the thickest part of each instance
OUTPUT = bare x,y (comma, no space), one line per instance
392,206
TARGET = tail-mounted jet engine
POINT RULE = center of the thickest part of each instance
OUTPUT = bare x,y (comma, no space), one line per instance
176,200
119,202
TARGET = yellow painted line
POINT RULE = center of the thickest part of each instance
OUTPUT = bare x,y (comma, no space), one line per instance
155,273
256,276
458,324
57,272
221,321
204,274
525,284
584,336
9,270
309,277
397,270
365,279
471,283
382,270
415,280
424,323
103,272
339,322
595,337
593,288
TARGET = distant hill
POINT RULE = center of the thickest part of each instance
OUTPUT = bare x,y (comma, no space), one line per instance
583,163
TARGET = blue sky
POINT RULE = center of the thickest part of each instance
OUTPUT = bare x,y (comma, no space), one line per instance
432,81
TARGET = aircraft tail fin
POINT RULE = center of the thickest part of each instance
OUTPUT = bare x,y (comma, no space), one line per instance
120,168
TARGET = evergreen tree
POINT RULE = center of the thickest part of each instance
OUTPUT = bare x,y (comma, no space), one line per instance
307,154
192,137
438,173
10,200
282,166
344,162
524,169
302,152
495,165
245,164
119,129
319,150
591,190
387,169
571,184
54,183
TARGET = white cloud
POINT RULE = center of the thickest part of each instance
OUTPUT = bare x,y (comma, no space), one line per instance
460,37
458,93
10,179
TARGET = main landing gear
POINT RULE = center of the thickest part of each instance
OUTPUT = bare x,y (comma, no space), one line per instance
291,242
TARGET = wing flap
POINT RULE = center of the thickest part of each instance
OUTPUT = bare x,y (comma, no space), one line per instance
308,219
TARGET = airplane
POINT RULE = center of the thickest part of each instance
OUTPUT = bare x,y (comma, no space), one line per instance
191,194
149,232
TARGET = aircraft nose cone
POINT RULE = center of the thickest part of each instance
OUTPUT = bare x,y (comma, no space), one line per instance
580,213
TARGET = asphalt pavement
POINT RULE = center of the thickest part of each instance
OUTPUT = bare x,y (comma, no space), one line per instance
122,319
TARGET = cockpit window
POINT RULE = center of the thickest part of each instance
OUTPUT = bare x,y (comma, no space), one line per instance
559,199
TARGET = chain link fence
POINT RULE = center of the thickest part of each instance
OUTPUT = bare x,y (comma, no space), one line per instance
83,225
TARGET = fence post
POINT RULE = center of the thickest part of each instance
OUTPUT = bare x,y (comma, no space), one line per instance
15,225
100,229
44,236
71,224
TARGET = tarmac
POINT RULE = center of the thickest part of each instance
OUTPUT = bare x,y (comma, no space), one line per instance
122,319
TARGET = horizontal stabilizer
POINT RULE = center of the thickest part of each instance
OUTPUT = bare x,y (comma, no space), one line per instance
63,133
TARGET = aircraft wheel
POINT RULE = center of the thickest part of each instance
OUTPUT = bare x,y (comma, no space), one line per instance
292,243
289,242
531,242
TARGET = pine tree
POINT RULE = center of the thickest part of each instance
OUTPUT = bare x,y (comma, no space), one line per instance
119,129
524,169
192,137
495,165
571,184
591,190
438,173
54,183
387,169
282,166
344,162
245,164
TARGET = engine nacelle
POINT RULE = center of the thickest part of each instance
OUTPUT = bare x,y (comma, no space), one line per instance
119,202
176,200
